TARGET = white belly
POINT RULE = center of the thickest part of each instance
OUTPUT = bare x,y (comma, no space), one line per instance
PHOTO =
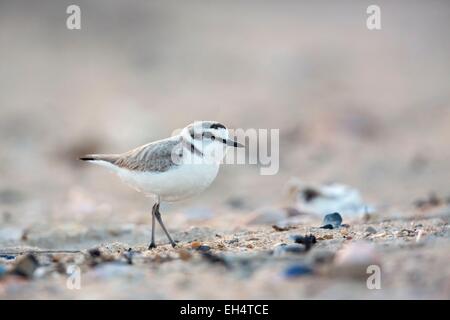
178,183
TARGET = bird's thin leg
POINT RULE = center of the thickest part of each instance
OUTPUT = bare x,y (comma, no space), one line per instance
153,244
158,217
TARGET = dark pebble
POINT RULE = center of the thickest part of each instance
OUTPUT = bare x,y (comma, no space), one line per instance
371,230
297,270
95,252
333,219
7,256
327,226
308,241
203,248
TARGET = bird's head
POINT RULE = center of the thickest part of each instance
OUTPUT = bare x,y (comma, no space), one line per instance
210,138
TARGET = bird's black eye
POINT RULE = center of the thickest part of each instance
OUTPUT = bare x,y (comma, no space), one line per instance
217,126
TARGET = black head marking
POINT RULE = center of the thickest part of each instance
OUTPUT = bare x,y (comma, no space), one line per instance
217,126
191,132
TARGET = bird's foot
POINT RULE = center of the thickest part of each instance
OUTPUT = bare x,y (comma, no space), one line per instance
151,246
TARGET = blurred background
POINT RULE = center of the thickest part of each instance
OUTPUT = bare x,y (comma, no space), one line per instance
370,109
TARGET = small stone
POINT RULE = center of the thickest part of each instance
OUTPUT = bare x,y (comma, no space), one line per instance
95,252
203,248
297,270
308,241
97,256
327,226
333,219
195,244
250,246
371,230
26,266
7,256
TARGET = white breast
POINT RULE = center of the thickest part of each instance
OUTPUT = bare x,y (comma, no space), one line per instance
179,182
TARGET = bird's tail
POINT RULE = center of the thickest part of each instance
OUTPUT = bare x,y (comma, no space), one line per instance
110,158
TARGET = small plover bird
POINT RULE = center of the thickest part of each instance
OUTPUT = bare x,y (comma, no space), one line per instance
172,169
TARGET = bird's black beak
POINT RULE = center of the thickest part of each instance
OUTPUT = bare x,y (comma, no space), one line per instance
232,143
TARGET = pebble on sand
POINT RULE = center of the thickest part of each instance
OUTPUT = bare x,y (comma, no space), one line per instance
333,219
195,244
308,241
7,256
297,270
203,248
371,230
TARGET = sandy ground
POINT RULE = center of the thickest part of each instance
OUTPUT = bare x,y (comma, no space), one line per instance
245,261
366,109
